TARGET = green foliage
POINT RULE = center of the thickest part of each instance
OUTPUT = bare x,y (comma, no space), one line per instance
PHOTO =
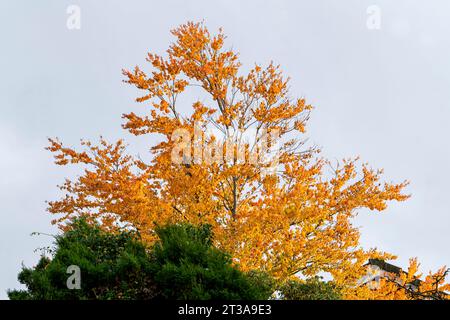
264,282
113,266
183,264
311,289
187,266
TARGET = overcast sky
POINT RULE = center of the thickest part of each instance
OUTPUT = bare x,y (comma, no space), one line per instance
382,94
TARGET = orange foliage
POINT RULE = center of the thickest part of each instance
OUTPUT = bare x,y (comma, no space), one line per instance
295,220
408,285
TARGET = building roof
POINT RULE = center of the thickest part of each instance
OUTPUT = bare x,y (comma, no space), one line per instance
385,266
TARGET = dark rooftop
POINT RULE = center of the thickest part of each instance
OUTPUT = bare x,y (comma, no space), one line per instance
385,266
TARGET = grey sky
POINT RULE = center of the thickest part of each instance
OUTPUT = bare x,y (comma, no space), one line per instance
380,94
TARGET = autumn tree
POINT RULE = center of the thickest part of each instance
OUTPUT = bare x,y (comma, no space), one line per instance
275,204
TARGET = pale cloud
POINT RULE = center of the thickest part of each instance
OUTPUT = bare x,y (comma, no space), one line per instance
24,184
